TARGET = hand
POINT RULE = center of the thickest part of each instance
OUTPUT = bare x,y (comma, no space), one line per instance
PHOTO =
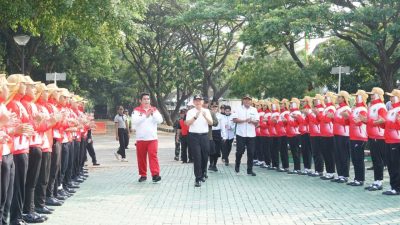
89,140
315,111
203,113
357,120
198,113
149,113
363,118
345,114
330,115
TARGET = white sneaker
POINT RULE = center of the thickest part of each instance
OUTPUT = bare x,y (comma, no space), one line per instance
117,156
124,160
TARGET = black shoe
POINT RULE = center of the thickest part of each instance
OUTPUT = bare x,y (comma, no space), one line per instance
176,158
357,183
203,179
342,180
62,192
184,162
142,179
214,168
327,177
69,190
156,178
210,168
370,168
72,186
374,187
293,172
33,218
251,174
79,180
96,164
190,161
43,210
197,184
61,197
226,164
391,192
271,168
335,179
52,202
237,168
205,176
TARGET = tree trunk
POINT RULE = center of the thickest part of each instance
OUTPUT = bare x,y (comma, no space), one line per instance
387,79
205,86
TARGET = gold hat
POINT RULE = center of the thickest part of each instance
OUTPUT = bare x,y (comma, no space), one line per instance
28,80
275,102
345,95
377,90
268,104
320,98
77,98
3,80
295,100
332,96
16,78
308,100
65,92
40,88
286,102
363,94
395,92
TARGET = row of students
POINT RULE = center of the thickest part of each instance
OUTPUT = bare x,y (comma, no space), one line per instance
325,129
44,135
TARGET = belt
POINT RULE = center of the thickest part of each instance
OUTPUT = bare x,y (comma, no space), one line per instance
199,134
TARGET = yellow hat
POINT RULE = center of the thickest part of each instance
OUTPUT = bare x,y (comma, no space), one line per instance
320,98
77,98
395,92
40,88
65,92
363,94
275,102
295,100
268,104
16,78
378,91
345,95
286,102
332,96
308,100
3,80
28,80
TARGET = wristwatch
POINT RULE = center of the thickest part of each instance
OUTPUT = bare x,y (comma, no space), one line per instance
195,118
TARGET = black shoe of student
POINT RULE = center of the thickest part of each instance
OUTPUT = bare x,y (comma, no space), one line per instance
190,161
183,162
205,175
33,218
203,179
18,222
251,174
370,168
61,197
52,202
142,179
391,192
237,168
210,167
79,180
335,179
156,178
69,190
43,210
214,168
176,158
197,184
96,164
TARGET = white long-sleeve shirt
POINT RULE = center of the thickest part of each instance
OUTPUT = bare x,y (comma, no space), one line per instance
146,127
227,127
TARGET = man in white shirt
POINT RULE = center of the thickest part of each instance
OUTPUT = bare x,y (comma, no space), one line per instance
145,119
246,117
198,119
227,133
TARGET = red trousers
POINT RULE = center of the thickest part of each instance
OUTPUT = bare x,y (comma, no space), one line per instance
142,149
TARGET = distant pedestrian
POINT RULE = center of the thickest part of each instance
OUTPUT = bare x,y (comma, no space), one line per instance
128,129
121,125
145,119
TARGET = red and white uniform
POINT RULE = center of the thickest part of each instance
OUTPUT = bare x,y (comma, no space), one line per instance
281,124
37,139
341,124
326,123
392,125
304,123
272,123
294,119
264,123
376,110
146,139
48,133
21,142
52,108
313,122
261,130
358,129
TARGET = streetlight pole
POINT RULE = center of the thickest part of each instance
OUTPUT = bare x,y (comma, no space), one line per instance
22,40
339,70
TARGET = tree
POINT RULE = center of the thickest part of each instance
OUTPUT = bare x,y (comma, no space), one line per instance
211,28
161,59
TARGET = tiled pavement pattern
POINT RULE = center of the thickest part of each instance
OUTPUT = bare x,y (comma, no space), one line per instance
112,195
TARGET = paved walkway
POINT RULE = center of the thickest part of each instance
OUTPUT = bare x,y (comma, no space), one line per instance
112,195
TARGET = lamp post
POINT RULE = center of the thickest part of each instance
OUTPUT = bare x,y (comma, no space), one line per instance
22,40
339,70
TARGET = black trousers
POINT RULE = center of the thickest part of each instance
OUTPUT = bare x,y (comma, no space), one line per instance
34,164
55,167
122,142
377,148
328,153
200,145
342,155
17,203
227,148
126,134
90,150
184,148
76,160
357,158
283,151
7,186
259,148
65,152
41,186
294,143
306,150
275,151
177,146
242,144
393,160
316,145
267,150
215,151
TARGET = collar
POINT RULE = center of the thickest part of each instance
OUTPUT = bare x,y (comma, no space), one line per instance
395,105
361,104
328,104
319,106
307,106
342,104
376,101
294,109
